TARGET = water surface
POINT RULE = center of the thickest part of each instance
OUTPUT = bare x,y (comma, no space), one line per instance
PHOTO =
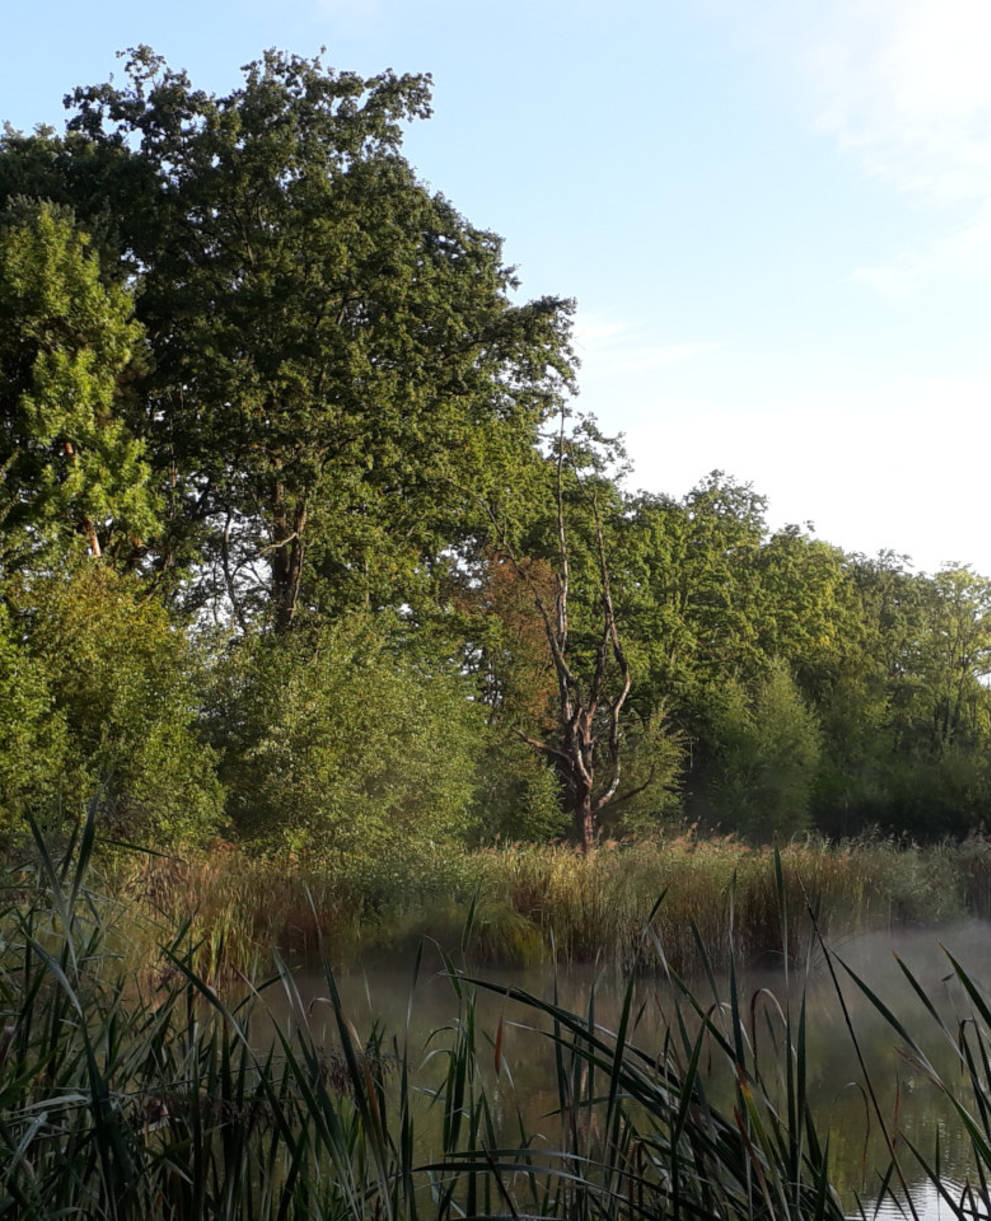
420,1014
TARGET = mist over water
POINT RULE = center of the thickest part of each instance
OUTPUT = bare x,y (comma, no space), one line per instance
911,1105
924,951
382,993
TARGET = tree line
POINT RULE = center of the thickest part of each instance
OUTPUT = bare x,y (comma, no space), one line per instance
302,541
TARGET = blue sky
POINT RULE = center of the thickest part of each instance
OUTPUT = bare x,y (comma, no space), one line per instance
774,216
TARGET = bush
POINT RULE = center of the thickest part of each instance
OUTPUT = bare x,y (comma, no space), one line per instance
122,682
338,742
32,733
517,797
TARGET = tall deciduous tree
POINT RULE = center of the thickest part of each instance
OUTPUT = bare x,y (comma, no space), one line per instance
339,370
956,656
582,731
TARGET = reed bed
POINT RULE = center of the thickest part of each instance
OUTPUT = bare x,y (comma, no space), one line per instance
535,903
153,1094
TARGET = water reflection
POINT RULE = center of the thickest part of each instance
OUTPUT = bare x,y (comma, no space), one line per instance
928,1205
894,1101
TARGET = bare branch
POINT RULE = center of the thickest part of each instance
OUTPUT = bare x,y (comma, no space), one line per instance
583,737
543,747
618,801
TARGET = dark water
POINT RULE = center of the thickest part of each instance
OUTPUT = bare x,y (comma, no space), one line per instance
383,993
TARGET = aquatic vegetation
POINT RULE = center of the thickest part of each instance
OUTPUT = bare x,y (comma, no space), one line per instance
160,1092
538,903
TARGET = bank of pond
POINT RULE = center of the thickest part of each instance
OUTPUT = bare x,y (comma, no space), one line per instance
146,1073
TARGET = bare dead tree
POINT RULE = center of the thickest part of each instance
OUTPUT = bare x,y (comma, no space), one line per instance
585,746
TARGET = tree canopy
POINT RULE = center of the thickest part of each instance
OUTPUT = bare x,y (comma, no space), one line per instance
338,369
300,542
68,346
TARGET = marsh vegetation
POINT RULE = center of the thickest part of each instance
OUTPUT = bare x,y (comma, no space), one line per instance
139,1086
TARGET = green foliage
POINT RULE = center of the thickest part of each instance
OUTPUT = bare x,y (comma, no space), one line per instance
699,584
805,613
122,678
767,752
955,655
339,372
247,356
336,741
940,795
33,743
653,771
906,716
70,469
517,796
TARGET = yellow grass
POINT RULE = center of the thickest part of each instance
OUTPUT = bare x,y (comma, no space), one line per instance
526,899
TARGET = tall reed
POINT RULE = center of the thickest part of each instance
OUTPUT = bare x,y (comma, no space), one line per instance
151,1096
157,1093
535,902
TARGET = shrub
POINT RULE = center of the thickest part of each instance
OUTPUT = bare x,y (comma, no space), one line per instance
121,678
337,743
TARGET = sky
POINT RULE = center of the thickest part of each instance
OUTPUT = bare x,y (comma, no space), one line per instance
774,216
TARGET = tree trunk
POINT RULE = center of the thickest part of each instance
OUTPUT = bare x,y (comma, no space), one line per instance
287,562
585,821
92,537
573,751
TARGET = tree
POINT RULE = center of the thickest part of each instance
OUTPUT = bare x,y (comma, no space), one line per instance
583,734
339,372
767,753
956,656
695,592
69,468
805,614
495,629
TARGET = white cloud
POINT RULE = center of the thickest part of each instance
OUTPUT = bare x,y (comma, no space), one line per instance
905,86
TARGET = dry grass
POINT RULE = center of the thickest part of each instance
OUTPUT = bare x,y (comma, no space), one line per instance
150,1097
531,901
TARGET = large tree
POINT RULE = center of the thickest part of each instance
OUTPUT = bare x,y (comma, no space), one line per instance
339,370
557,667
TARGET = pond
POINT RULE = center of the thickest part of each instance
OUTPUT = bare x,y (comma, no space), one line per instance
913,1109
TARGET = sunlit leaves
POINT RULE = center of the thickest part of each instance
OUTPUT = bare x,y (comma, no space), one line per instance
69,469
